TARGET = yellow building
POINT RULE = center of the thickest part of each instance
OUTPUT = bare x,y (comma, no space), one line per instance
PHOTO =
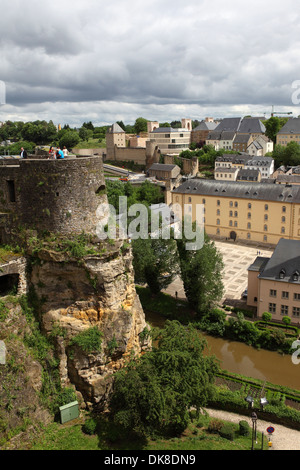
254,212
274,283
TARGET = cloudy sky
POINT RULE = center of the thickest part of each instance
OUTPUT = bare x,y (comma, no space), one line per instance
94,60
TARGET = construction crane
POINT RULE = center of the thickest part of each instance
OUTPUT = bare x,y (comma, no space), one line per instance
272,114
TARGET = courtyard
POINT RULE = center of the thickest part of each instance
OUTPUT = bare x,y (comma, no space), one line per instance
237,258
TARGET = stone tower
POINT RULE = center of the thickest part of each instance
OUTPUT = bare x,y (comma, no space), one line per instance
114,136
60,196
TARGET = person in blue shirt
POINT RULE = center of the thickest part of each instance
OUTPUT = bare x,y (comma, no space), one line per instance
60,153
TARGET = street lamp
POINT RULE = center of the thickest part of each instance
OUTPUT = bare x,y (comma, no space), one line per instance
254,428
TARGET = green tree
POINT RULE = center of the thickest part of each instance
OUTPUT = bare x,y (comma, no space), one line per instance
149,193
114,189
273,126
39,132
266,316
69,138
288,156
88,125
154,393
140,125
85,133
201,273
286,321
155,263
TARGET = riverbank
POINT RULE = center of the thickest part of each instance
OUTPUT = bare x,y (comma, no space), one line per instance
235,356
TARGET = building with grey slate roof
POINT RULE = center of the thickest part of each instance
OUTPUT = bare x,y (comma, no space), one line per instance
253,127
249,175
199,134
164,172
247,162
274,283
290,132
249,211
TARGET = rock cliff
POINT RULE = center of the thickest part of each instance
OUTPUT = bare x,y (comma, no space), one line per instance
95,290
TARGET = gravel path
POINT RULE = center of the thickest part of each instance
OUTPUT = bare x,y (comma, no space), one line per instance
282,439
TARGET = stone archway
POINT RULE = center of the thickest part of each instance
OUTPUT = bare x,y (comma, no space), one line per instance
9,284
233,236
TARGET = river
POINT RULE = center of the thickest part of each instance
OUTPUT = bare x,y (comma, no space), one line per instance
242,359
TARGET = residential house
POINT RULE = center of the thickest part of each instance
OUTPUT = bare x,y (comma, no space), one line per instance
201,132
265,165
288,179
241,142
249,175
260,146
164,172
226,174
290,132
252,127
274,283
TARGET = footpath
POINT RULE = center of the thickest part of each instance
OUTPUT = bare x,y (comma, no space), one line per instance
282,439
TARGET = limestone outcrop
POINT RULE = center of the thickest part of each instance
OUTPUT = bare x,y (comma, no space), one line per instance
75,295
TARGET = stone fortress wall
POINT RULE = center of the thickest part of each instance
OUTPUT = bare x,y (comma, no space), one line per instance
54,195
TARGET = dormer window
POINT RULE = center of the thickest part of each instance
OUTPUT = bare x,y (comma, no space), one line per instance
282,274
296,276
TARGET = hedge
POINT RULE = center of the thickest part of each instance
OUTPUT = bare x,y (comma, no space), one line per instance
231,401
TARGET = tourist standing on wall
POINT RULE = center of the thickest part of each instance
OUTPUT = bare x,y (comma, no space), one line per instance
65,151
23,153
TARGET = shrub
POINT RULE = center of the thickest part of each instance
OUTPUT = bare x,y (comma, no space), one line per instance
89,340
89,427
215,426
3,311
227,431
65,396
266,316
244,428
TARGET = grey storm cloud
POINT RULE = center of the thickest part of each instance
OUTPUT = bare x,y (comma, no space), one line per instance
160,53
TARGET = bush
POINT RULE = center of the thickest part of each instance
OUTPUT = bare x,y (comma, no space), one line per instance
65,396
89,340
227,431
215,426
89,427
244,428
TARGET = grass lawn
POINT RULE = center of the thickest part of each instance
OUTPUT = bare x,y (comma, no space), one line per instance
91,144
196,437
165,305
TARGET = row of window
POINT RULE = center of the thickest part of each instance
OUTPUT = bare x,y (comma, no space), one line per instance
284,310
235,224
249,215
236,204
284,294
